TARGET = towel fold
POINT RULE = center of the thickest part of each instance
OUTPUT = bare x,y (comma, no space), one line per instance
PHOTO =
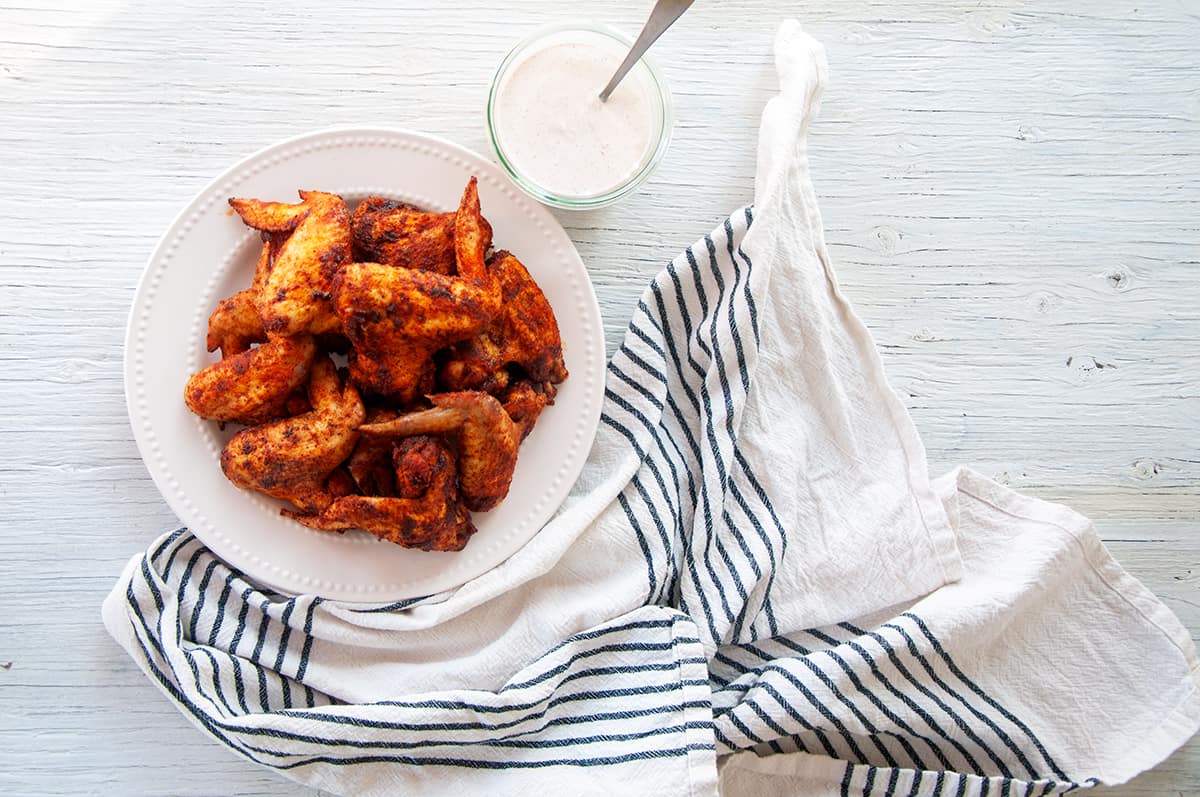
753,582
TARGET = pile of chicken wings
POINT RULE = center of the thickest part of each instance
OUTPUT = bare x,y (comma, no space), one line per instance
452,352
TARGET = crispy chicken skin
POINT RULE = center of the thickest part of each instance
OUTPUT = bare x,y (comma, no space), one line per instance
370,464
425,512
486,436
340,483
524,402
397,318
273,243
475,364
253,386
294,457
294,295
234,326
396,234
524,333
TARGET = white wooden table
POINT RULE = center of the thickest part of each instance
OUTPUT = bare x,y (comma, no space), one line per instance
1012,198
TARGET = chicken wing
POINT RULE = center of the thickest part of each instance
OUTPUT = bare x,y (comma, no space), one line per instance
397,318
270,217
235,326
295,295
523,334
253,386
370,464
425,513
340,483
396,234
524,402
293,458
487,441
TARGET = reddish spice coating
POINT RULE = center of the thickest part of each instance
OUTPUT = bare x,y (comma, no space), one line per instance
523,335
426,513
397,318
486,436
400,235
253,386
294,294
292,458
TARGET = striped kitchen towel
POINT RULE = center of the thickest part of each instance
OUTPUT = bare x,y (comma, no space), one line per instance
754,586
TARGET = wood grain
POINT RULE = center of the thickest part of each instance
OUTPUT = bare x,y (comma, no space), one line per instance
1011,195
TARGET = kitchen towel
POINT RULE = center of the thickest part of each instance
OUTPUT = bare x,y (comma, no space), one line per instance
753,587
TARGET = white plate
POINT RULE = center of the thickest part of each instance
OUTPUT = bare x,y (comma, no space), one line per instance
208,253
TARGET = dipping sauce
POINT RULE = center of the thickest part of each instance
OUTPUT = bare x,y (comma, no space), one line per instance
551,127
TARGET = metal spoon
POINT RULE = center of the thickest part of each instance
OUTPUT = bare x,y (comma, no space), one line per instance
662,17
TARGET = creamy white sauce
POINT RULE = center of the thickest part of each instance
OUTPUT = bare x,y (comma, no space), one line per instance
554,130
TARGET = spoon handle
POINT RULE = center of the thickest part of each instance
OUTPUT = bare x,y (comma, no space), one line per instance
662,17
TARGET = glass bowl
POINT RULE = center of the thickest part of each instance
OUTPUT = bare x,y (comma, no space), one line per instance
658,94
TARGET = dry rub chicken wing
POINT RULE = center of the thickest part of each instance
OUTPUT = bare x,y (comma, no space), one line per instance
294,291
235,326
524,333
487,441
524,402
397,234
425,512
253,386
397,318
370,464
425,307
294,457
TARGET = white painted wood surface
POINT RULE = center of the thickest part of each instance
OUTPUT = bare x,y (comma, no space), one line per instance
1011,193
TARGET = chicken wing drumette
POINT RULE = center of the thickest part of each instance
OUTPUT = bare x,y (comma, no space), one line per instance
370,464
294,457
425,511
524,333
396,318
486,437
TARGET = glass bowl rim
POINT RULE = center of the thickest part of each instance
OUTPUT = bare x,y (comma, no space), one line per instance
637,178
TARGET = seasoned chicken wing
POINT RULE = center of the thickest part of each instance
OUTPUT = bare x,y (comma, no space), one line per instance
235,326
253,386
397,318
524,334
524,402
340,483
294,291
396,234
425,512
294,457
487,441
475,364
370,464
423,316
